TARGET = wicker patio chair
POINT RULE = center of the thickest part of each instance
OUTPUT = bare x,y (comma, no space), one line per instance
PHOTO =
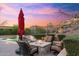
25,49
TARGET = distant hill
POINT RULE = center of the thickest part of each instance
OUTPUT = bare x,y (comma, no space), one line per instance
71,27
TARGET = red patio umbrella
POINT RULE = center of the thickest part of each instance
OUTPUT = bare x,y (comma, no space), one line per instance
21,24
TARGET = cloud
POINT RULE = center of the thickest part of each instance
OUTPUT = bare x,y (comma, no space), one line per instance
5,9
9,21
7,13
46,10
33,15
32,20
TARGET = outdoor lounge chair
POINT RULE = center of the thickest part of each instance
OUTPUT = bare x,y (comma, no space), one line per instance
57,46
47,38
25,49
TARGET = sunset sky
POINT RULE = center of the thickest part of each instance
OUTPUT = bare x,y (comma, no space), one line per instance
37,13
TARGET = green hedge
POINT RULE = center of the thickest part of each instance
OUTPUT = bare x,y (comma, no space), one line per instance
71,43
39,36
61,37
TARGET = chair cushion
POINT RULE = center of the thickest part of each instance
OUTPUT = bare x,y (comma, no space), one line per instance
56,48
48,38
57,43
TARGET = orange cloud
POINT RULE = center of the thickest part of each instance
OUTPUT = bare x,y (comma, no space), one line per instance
31,20
46,10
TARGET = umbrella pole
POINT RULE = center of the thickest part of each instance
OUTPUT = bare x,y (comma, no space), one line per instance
20,37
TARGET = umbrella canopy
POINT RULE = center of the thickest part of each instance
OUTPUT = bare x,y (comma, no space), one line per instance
21,23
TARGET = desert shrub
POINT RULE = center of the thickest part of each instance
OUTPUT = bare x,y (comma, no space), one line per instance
61,37
71,44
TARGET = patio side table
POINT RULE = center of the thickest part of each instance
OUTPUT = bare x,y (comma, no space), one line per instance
43,47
